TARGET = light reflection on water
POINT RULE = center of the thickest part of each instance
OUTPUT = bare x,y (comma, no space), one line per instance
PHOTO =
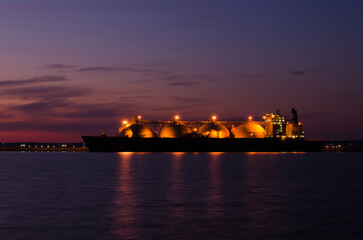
214,196
180,195
125,198
176,188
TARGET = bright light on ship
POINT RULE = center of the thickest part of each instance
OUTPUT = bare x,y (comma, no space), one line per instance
139,117
250,118
214,117
176,117
124,122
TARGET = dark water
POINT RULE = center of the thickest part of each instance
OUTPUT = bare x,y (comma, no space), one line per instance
181,196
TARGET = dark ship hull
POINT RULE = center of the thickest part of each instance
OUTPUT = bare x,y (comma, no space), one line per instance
199,144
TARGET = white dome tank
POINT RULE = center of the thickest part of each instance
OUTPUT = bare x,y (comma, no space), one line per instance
213,130
249,130
174,130
136,130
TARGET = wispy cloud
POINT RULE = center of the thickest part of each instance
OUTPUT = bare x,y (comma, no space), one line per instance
99,69
319,69
40,79
39,109
45,92
175,77
62,115
186,100
108,69
53,102
105,69
187,80
60,66
182,77
183,83
168,109
144,70
41,102
58,109
81,126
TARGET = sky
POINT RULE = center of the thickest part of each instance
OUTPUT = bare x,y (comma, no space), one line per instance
70,68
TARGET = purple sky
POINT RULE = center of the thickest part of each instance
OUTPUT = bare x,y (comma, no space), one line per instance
69,68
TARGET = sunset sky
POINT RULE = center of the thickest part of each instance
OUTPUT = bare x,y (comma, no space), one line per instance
70,68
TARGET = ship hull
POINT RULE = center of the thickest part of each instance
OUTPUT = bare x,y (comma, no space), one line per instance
121,144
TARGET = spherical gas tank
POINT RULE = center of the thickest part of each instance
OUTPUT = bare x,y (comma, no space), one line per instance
136,130
249,130
213,130
174,130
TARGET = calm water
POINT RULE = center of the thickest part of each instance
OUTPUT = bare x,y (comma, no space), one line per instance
181,196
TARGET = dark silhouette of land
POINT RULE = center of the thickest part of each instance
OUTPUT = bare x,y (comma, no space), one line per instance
43,147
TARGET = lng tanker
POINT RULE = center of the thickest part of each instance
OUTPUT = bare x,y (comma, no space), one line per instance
273,134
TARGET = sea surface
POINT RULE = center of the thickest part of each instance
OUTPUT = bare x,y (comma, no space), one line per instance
208,196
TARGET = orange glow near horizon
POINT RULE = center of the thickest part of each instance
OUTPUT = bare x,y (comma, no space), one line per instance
125,153
272,153
216,153
177,153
